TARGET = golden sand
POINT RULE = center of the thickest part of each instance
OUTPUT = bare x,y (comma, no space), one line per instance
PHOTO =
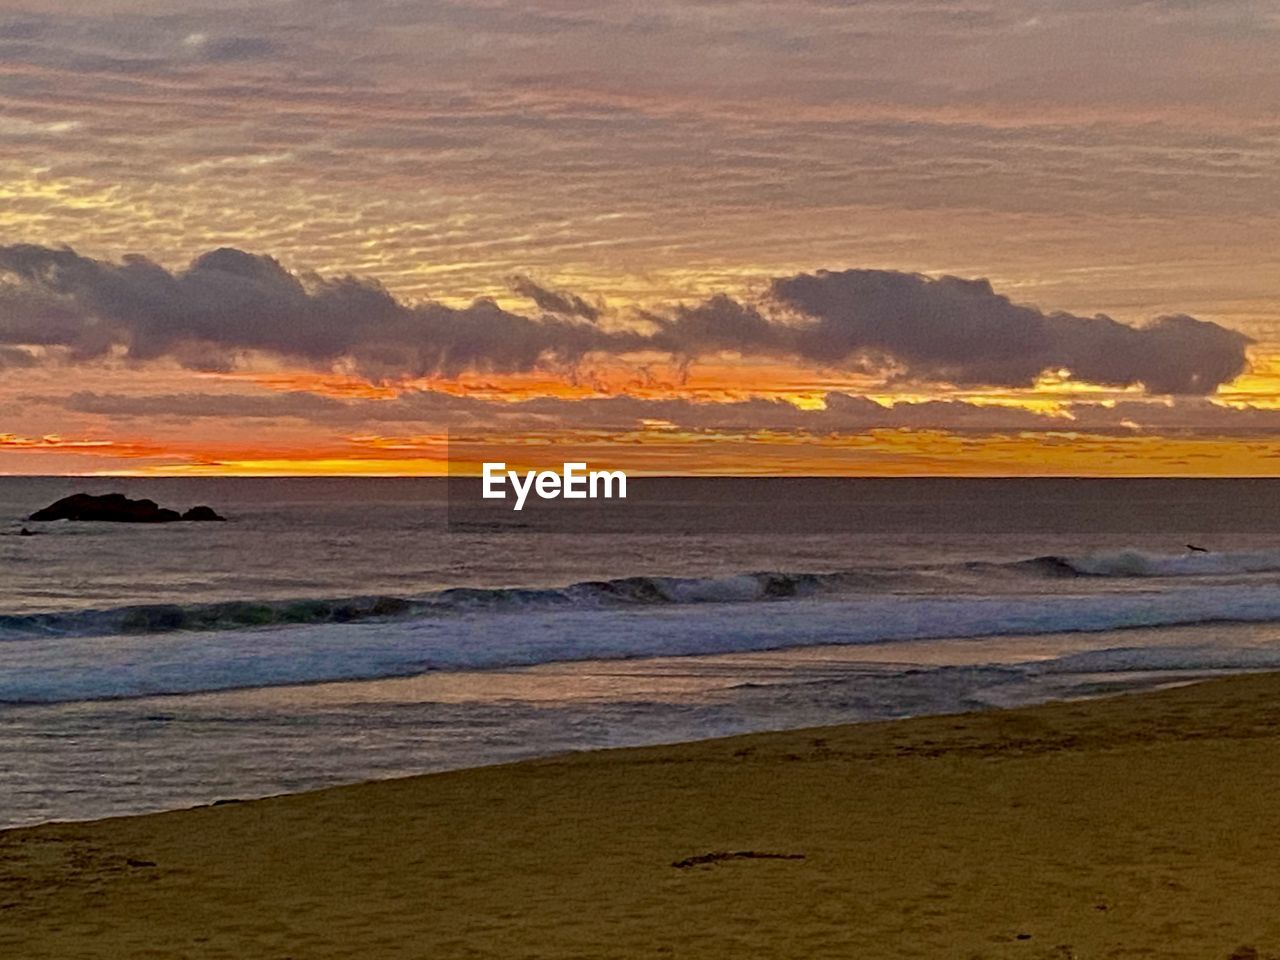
1141,826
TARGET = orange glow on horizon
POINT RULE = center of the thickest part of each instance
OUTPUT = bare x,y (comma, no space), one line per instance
667,452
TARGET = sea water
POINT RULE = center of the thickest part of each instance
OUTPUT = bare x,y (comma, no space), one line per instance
340,630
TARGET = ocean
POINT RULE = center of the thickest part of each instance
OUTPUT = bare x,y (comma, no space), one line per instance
339,630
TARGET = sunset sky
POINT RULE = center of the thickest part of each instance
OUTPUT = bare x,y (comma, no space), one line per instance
887,237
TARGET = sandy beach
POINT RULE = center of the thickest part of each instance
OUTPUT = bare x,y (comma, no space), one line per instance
1134,826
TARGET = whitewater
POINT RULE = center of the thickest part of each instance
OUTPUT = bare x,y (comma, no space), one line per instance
137,651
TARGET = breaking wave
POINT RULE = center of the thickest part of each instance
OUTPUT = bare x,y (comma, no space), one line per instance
591,594
969,579
1135,563
169,648
51,669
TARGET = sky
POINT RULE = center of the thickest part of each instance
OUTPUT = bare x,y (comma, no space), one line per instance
885,237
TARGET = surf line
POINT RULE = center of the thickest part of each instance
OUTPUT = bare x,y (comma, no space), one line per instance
573,482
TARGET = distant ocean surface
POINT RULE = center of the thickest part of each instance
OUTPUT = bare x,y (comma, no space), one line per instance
336,630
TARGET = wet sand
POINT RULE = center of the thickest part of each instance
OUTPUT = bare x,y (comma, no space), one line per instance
1137,826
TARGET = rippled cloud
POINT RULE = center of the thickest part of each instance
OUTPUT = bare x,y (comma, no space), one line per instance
1121,152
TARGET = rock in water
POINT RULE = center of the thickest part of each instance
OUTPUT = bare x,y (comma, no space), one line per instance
117,508
202,513
112,507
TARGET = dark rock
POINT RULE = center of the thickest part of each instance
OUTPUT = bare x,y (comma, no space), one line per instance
117,508
201,513
113,507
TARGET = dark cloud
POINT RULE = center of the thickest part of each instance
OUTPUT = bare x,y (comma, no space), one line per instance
566,304
717,325
903,326
199,406
227,302
962,332
840,414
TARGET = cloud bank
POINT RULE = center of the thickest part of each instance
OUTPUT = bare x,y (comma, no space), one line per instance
903,326
963,332
228,302
840,414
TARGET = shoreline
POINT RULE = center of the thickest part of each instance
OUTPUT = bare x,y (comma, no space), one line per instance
231,744
1138,824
